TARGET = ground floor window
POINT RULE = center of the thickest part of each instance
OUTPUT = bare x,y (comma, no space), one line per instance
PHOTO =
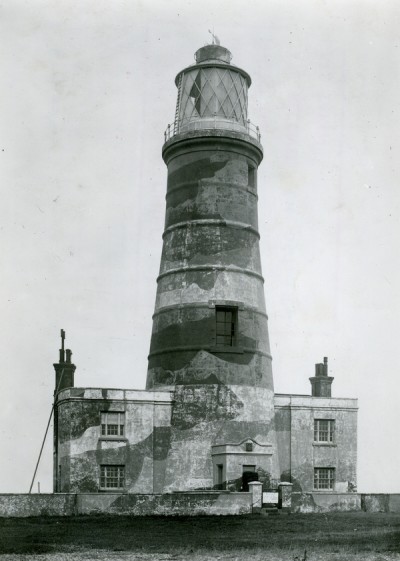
324,478
112,477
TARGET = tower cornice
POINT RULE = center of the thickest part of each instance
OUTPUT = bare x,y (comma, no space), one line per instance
217,139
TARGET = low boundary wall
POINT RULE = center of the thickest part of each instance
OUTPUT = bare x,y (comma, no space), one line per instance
43,504
325,502
174,504
345,502
380,502
185,503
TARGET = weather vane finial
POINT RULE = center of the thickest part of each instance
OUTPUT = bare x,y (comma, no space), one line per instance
215,40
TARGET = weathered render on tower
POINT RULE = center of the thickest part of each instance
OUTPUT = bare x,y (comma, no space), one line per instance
210,337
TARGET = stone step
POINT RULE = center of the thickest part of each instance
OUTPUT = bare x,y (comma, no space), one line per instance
269,511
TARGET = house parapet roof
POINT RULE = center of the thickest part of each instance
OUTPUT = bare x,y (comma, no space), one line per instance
310,402
115,394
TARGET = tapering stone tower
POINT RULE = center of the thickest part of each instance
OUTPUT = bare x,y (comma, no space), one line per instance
210,338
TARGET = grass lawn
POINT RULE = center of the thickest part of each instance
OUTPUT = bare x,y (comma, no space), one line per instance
335,536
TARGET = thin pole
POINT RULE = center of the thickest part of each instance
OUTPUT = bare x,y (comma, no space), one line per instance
47,430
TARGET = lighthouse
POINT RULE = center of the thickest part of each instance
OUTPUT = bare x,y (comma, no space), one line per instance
209,418
209,342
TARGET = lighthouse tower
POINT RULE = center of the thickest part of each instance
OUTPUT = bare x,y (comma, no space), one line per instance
209,340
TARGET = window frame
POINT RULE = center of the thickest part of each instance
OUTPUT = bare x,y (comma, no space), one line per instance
330,432
252,177
104,477
210,92
225,332
105,426
330,478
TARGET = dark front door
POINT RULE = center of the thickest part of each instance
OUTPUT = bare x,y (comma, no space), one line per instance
249,474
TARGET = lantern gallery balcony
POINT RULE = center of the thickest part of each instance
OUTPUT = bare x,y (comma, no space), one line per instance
211,123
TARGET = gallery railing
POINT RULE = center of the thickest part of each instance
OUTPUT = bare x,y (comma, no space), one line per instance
212,123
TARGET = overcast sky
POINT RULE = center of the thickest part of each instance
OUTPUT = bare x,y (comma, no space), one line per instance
87,89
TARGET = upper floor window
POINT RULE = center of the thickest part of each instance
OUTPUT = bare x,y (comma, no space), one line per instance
324,430
324,478
226,326
112,477
112,424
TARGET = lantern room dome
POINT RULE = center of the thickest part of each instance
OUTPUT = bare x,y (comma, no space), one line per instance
213,53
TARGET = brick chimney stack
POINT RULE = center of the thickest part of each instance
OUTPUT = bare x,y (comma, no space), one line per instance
321,383
64,368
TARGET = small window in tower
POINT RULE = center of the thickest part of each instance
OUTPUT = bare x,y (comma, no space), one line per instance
112,477
251,176
112,424
226,326
324,430
324,478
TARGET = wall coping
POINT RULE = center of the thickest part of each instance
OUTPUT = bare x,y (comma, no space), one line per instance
304,401
115,394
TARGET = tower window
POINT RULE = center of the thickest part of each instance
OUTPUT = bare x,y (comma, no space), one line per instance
324,430
112,477
251,176
112,424
324,478
226,326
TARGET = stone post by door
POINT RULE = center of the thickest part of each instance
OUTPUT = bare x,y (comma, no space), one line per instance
210,340
255,487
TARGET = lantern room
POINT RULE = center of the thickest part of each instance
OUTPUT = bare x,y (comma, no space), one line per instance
212,94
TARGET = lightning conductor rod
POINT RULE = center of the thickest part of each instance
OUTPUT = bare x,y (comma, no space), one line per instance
52,410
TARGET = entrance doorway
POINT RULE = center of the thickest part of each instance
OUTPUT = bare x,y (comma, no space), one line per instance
248,474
